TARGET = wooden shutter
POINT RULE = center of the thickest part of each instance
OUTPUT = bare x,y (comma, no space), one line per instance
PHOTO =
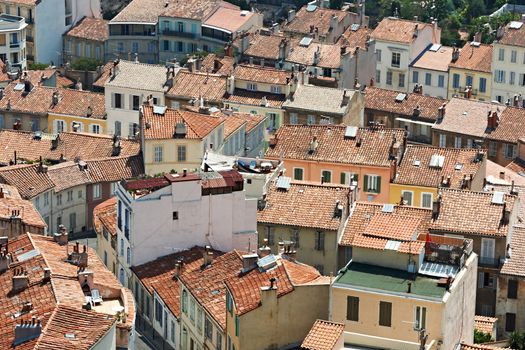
365,184
352,308
343,178
378,184
385,314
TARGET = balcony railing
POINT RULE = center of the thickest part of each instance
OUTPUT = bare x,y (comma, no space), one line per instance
13,45
489,262
179,34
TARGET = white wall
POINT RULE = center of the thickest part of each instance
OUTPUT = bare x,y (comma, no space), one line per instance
433,89
507,90
108,341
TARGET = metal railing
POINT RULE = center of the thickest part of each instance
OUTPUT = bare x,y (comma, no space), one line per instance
179,33
489,261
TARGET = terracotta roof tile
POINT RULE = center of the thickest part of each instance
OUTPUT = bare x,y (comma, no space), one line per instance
517,165
456,213
499,175
479,347
77,103
267,46
104,75
194,9
105,214
187,85
385,100
355,38
320,99
66,175
415,169
293,142
163,126
96,29
434,60
514,37
28,214
229,19
29,181
254,98
484,324
114,169
218,65
41,77
397,30
320,18
305,205
260,74
231,124
141,11
511,126
140,76
323,335
329,55
477,58
514,265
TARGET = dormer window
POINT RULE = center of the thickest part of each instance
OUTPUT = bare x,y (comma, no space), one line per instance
251,86
276,89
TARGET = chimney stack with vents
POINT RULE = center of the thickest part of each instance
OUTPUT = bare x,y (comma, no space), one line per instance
20,280
27,330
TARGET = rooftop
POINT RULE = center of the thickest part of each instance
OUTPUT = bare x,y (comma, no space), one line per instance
194,9
304,204
417,168
10,200
499,175
353,37
368,147
456,214
480,347
320,99
398,30
374,277
142,11
323,335
187,85
514,265
316,17
260,74
514,35
88,28
474,56
484,324
218,65
316,54
267,45
140,76
436,57
229,19
511,127
255,98
105,216
413,106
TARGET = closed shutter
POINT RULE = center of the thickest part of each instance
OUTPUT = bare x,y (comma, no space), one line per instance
236,326
378,184
343,178
512,291
112,100
365,183
481,279
385,313
352,308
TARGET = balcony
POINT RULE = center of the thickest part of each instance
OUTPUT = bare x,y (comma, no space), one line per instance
179,34
30,57
30,38
489,262
126,232
15,45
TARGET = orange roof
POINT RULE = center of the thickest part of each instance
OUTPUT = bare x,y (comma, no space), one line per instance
479,347
218,65
104,76
369,147
511,126
397,227
88,28
355,38
267,46
228,19
105,216
260,74
254,98
398,30
512,36
232,124
484,324
329,55
29,215
319,18
477,58
194,9
435,60
514,265
187,85
323,335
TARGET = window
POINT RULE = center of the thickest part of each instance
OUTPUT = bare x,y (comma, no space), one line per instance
378,76
59,199
442,140
401,80
509,151
175,215
482,85
294,236
35,124
251,86
181,153
501,54
95,128
513,56
192,310
510,322
522,80
319,240
512,290
441,81
499,76
415,77
208,328
469,80
60,126
172,333
347,178
157,154
457,141
158,312
165,45
407,197
135,101
105,258
388,78
428,79
294,119
378,55
184,301
122,278
326,176
372,183
218,343
385,314
199,320
512,78
96,191
72,222
310,119
420,317
270,234
236,326
455,81
426,200
37,203
69,196
128,256
117,101
121,247
396,59
118,128
492,149
275,89
298,173
487,249
352,309
46,198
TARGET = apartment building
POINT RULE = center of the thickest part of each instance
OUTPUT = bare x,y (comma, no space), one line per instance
189,87
424,170
429,72
508,58
65,289
266,48
490,228
398,42
403,287
13,42
18,216
414,112
340,154
46,22
187,209
309,216
87,40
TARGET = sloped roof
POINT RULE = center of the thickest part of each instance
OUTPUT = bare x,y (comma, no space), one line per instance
88,28
187,85
514,265
329,55
323,335
258,74
320,99
512,36
319,18
476,58
140,76
397,30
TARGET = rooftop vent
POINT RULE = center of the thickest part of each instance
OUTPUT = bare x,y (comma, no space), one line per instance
417,162
498,197
19,87
475,43
437,161
355,27
435,47
392,245
351,132
458,166
515,25
306,41
181,130
283,183
401,97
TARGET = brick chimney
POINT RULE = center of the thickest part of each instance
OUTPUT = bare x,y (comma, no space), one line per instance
264,250
207,255
62,236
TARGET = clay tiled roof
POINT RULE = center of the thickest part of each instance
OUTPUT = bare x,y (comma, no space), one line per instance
140,76
499,175
397,30
323,335
163,126
456,214
88,28
356,231
232,124
207,284
480,347
476,58
511,126
194,9
104,75
320,18
105,214
229,19
514,37
69,146
517,165
141,11
246,288
267,46
320,99
218,65
329,55
77,103
484,324
434,60
415,169
29,215
29,181
385,100
254,98
67,175
114,169
41,77
293,142
305,205
187,85
514,265
467,117
355,38
258,74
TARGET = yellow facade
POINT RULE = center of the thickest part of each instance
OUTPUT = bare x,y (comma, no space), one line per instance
397,190
169,160
87,125
477,94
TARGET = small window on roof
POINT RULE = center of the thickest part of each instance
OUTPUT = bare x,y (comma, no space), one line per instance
437,161
458,166
417,162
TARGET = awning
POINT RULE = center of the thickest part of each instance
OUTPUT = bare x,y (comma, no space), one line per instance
414,121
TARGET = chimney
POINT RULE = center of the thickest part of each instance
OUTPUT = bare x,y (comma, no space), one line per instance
178,269
282,49
2,193
55,98
249,261
61,237
291,15
20,280
86,277
289,252
264,250
47,274
230,84
455,54
436,206
5,260
409,287
490,121
416,30
505,217
27,330
116,146
83,258
502,175
184,172
269,295
338,210
207,256
441,112
477,37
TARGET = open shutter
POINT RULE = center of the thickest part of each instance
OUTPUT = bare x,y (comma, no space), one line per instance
365,184
343,178
378,184
112,100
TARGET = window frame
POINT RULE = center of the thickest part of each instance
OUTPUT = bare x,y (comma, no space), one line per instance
329,172
423,201
352,314
382,313
302,173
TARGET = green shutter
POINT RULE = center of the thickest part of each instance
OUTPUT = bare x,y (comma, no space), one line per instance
343,178
355,177
365,184
378,184
236,326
